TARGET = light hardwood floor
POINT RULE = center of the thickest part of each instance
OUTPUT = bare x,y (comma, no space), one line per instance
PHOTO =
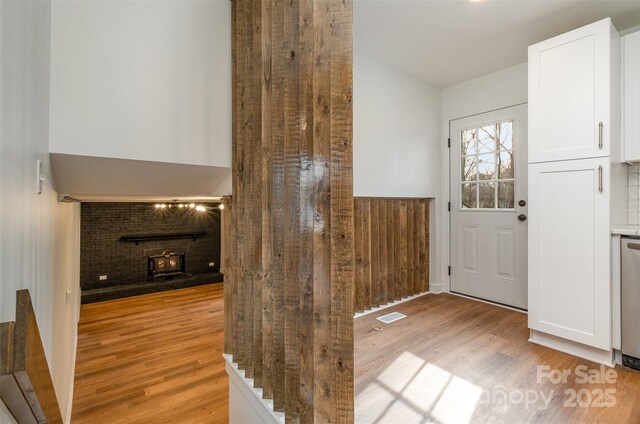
155,358
452,360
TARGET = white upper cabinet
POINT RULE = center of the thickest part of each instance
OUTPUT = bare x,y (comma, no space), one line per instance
570,93
631,97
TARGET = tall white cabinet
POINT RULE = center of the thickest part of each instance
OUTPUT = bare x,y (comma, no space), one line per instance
573,134
631,97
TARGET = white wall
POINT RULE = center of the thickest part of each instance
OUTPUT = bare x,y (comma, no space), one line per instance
66,315
142,80
504,88
34,228
396,132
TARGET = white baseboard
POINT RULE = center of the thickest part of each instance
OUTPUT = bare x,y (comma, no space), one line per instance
389,305
246,404
436,288
580,350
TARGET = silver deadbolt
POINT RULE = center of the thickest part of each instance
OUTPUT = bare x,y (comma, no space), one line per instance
522,203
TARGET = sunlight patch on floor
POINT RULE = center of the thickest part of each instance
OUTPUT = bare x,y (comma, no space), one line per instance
411,390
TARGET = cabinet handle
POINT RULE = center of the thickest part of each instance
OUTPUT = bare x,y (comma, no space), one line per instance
600,178
600,126
634,246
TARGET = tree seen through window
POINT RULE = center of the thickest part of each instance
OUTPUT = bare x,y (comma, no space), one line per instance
488,167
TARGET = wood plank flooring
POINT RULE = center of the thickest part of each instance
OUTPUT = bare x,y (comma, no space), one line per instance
454,360
155,358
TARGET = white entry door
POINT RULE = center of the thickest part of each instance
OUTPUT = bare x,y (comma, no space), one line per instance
488,163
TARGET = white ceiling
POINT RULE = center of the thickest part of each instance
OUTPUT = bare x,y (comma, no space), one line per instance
444,42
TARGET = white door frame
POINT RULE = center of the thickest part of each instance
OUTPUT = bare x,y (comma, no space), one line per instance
498,271
443,281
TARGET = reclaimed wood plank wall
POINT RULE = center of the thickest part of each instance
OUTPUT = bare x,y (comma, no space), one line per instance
289,260
391,250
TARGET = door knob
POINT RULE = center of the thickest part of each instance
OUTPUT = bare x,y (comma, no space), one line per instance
522,203
522,217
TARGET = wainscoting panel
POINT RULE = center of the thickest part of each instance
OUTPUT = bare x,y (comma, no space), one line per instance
391,250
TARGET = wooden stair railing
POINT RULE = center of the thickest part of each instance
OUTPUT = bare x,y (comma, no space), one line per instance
26,387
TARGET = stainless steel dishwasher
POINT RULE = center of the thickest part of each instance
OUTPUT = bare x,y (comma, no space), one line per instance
630,302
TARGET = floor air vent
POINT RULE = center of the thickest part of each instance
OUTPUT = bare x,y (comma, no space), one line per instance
389,318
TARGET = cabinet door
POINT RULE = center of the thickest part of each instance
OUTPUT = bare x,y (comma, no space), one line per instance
569,250
569,89
631,97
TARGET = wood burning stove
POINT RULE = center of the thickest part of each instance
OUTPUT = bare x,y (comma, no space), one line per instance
166,264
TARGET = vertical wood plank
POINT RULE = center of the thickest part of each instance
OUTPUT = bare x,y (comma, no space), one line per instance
292,214
418,226
226,269
427,243
229,252
359,257
266,196
402,248
240,293
254,201
391,266
342,263
382,249
245,263
278,69
366,252
421,243
319,62
418,250
245,254
375,253
410,247
312,187
397,239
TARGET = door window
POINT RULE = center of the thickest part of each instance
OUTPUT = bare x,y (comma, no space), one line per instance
487,178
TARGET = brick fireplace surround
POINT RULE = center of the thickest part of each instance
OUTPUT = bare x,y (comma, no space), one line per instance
125,263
